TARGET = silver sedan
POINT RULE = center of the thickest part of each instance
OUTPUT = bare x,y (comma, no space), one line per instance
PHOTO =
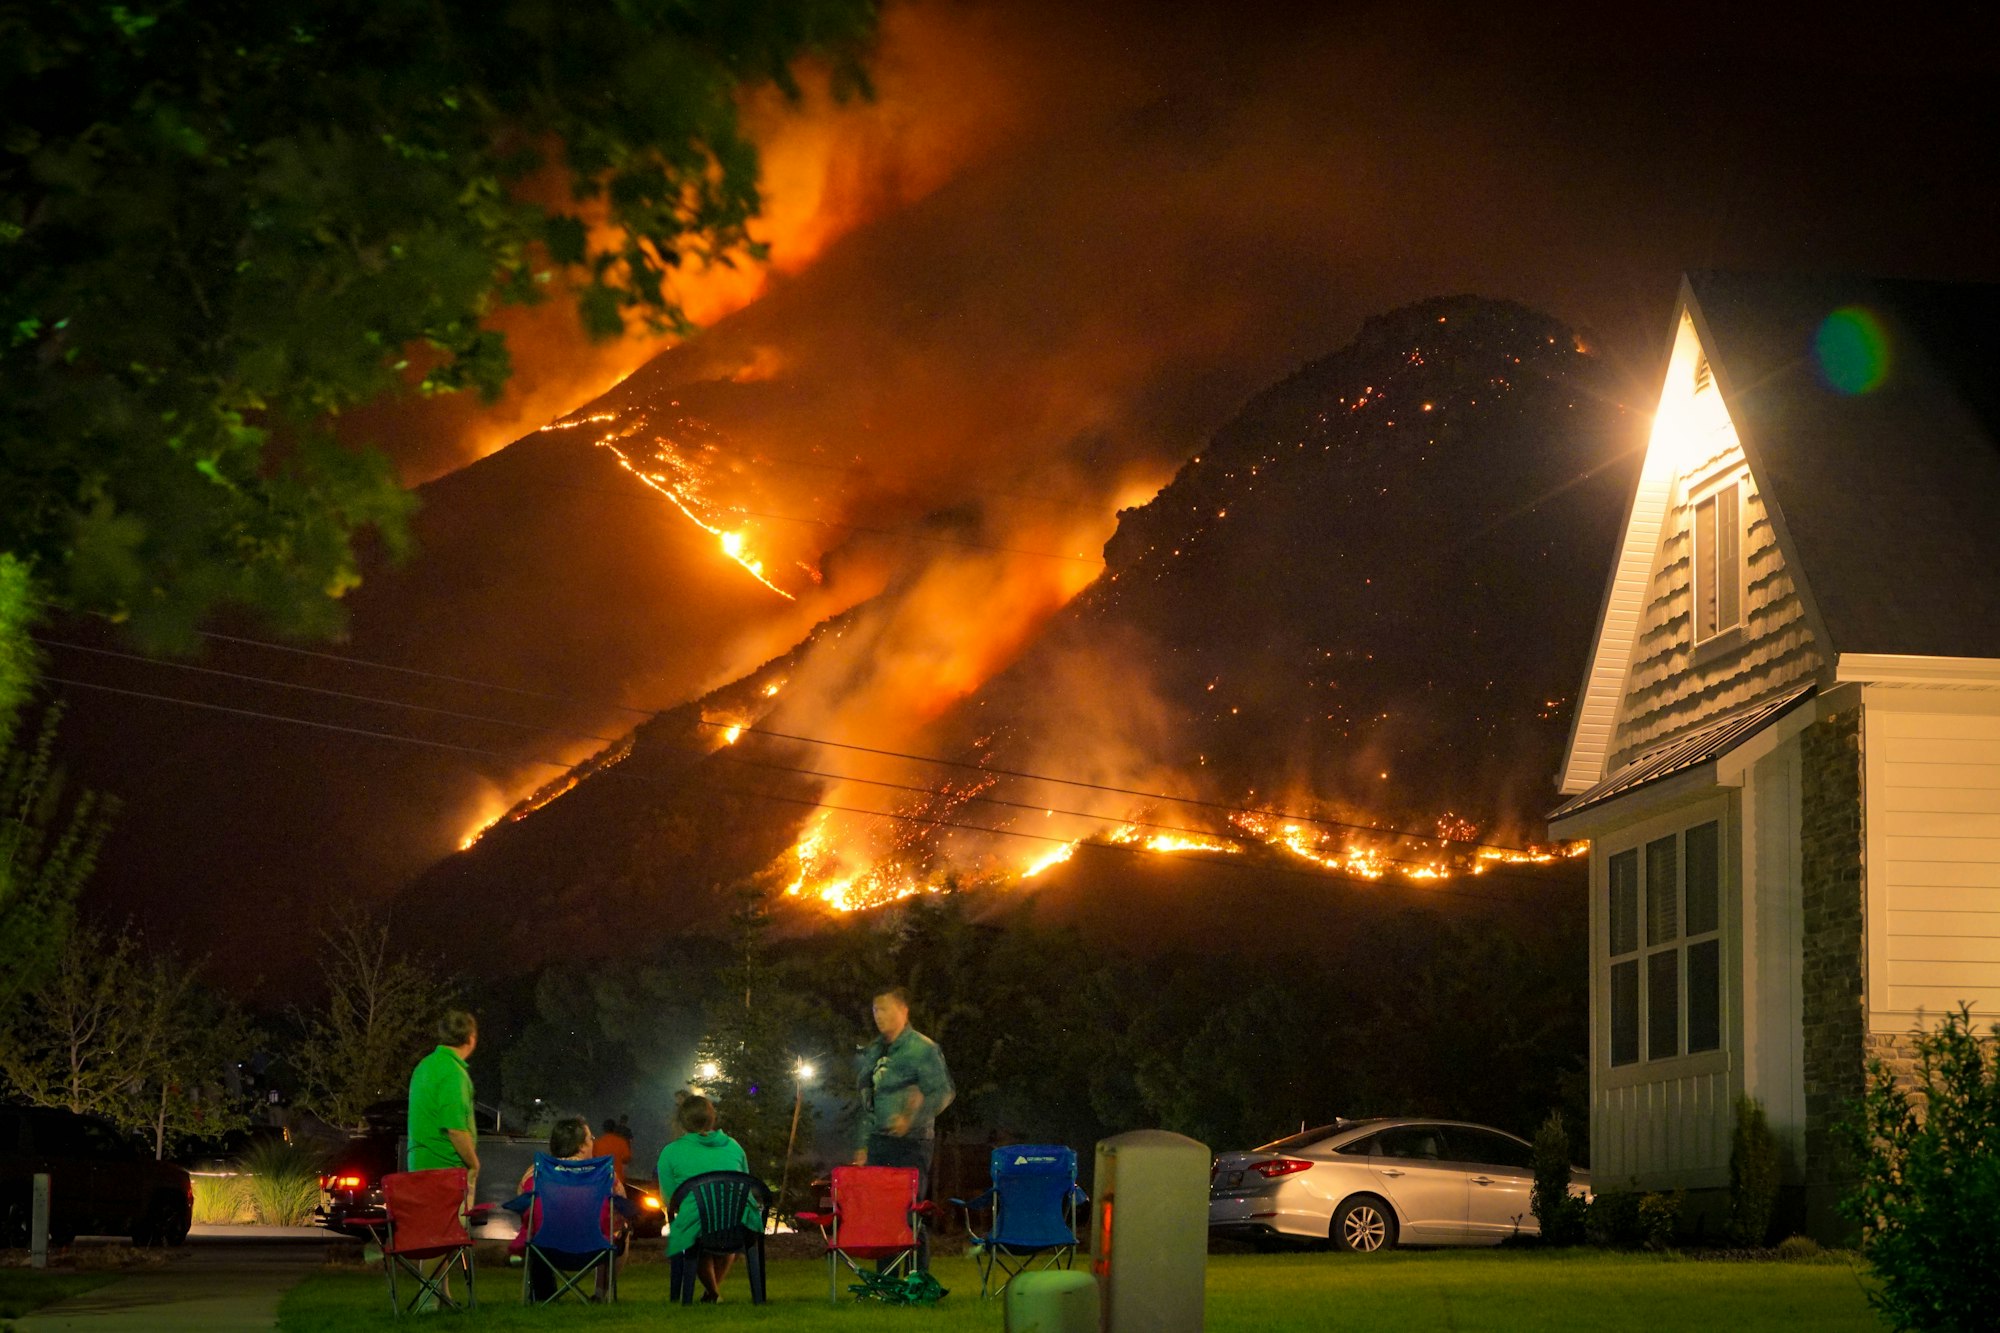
1370,1185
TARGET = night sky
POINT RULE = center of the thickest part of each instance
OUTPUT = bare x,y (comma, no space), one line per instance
1055,253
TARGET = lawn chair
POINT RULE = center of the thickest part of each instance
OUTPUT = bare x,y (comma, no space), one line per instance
874,1214
568,1220
1033,1200
424,1219
731,1212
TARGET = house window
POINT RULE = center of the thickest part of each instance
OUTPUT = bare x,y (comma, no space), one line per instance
1718,563
1664,946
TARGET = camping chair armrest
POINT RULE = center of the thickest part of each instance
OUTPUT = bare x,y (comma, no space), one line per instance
520,1203
1079,1194
977,1203
925,1210
821,1220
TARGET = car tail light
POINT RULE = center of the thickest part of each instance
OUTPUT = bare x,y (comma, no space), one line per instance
1280,1166
652,1201
348,1182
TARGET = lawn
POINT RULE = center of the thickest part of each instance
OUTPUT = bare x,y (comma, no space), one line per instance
1491,1289
22,1290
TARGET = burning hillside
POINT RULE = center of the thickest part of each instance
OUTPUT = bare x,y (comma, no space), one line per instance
1337,644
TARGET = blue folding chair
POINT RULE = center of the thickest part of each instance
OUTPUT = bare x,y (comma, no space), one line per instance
1033,1200
567,1216
730,1212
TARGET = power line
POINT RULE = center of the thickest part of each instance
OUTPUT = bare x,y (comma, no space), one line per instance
811,803
724,753
1223,806
649,714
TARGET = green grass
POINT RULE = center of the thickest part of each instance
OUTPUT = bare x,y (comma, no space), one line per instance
1510,1290
22,1290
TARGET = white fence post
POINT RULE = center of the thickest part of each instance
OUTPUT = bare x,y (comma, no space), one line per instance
38,1231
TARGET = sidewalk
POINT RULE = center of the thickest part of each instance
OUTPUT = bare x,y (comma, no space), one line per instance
230,1279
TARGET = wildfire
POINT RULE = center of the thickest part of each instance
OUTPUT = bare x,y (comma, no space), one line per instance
1049,860
1171,842
547,792
684,494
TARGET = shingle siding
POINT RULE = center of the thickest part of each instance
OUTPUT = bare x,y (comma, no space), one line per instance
1667,692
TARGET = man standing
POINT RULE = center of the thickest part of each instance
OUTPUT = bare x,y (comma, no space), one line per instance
616,1143
442,1125
904,1088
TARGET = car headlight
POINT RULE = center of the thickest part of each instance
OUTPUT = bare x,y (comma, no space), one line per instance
652,1202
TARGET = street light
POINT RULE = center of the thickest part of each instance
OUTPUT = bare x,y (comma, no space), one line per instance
802,1074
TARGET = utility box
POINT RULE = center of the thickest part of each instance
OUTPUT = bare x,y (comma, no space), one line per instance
1149,1231
1053,1302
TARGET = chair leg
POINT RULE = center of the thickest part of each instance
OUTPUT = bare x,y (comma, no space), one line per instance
832,1291
753,1261
395,1303
471,1295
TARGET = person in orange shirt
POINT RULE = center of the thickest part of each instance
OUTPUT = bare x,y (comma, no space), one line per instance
616,1143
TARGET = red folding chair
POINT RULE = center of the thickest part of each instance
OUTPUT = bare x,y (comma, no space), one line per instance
874,1214
426,1220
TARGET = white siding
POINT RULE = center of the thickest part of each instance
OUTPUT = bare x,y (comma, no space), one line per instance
1933,845
1774,1037
1669,1134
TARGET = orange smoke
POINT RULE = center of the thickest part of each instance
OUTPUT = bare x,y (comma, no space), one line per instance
945,94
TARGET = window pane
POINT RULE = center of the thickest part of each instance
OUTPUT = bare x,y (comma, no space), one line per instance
1418,1142
1704,878
1705,996
1663,1004
1728,577
1489,1149
1704,569
1663,891
1625,1012
1625,901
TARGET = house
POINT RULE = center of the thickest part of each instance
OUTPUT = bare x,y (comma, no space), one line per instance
1786,749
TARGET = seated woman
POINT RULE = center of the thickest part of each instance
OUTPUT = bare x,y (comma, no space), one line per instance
700,1148
569,1140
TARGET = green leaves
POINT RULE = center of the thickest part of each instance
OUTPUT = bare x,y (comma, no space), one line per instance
223,225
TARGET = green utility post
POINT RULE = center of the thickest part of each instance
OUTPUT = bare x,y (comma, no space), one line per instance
1149,1231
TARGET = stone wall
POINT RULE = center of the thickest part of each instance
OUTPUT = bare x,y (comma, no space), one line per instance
1832,888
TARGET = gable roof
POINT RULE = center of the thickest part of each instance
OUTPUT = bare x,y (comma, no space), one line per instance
1885,504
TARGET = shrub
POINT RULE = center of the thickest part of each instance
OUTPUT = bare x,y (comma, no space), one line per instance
1613,1219
1753,1175
1794,1249
1660,1218
1559,1212
1927,1183
281,1183
220,1199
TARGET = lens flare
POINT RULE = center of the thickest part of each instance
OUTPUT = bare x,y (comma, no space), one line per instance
1853,350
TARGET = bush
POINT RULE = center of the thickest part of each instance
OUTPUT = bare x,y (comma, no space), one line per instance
220,1199
1559,1212
280,1182
1613,1219
1753,1175
1660,1219
1796,1249
1927,1186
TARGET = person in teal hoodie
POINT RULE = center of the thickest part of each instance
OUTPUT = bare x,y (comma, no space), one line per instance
701,1147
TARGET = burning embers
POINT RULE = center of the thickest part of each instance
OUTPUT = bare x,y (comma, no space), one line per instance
820,868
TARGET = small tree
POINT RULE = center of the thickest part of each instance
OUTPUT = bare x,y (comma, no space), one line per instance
1753,1175
80,1042
371,1028
1928,1188
1559,1212
48,847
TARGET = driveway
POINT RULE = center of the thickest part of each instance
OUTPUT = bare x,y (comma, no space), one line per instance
226,1279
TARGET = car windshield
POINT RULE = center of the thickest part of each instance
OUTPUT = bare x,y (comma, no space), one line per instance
1305,1138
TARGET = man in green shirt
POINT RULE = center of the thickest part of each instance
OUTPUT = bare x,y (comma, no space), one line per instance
442,1124
905,1086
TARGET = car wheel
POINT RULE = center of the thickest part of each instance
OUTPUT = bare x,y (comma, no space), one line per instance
166,1222
1364,1225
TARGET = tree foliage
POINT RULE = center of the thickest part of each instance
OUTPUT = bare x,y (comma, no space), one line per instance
224,223
374,1021
1559,1213
1755,1174
48,847
130,1035
1928,1187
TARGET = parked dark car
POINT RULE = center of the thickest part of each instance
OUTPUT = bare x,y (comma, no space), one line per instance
102,1182
351,1186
